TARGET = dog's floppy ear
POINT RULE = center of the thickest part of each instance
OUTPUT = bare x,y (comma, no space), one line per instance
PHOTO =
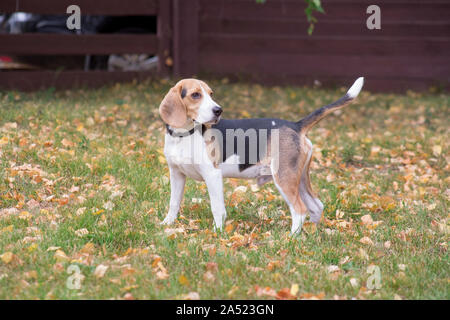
172,109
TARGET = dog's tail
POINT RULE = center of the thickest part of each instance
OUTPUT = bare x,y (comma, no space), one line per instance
309,121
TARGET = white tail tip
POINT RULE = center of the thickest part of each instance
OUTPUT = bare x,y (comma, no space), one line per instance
356,88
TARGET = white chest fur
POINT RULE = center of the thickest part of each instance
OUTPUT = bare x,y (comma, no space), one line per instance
188,154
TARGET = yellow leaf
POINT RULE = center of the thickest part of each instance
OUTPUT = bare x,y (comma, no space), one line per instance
98,212
31,274
32,247
183,280
245,114
7,257
162,160
8,228
53,248
60,256
437,150
387,203
25,215
88,248
294,289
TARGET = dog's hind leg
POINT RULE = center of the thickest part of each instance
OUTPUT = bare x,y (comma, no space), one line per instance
314,205
296,207
286,167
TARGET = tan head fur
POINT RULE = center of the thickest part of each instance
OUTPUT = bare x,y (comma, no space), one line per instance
189,99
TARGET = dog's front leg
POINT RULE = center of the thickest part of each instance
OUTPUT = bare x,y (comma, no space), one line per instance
214,182
177,182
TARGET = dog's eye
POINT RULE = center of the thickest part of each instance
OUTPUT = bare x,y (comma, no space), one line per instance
196,95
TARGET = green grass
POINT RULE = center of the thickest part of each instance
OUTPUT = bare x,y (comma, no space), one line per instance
386,156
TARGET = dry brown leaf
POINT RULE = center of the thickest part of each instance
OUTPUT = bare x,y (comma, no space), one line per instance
285,294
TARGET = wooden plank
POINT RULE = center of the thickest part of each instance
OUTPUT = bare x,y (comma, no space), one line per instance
185,39
390,12
294,27
52,44
35,80
165,61
317,44
100,7
327,65
374,84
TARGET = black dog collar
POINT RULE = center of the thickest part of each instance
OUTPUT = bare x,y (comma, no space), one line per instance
171,132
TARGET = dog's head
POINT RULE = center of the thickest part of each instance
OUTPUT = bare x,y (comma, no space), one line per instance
189,99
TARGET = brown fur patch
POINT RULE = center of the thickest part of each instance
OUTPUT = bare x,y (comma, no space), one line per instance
175,110
293,154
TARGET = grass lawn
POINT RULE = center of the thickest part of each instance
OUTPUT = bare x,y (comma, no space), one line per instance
84,186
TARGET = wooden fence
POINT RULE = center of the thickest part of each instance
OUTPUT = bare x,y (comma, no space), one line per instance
267,43
63,44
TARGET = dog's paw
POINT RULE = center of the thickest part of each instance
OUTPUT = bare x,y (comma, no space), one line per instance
168,220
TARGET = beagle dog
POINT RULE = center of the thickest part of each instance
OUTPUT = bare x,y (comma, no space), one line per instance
201,145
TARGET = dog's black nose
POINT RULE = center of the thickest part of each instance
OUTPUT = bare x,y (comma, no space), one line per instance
217,111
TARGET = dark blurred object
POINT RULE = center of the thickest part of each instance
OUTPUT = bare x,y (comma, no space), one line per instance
33,23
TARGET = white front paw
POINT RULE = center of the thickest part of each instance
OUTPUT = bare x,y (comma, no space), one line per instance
168,220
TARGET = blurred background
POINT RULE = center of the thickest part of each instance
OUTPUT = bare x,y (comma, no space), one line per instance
260,41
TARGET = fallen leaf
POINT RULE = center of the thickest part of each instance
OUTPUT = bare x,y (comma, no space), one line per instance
60,256
294,289
7,257
192,296
366,240
81,232
285,294
183,280
100,271
109,205
354,282
367,219
332,268
267,291
88,248
212,266
437,150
